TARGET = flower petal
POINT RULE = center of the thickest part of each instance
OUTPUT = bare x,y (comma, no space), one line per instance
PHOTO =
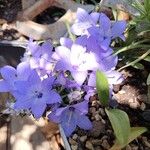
66,42
95,17
105,22
82,107
118,28
79,77
83,122
23,70
82,15
52,97
8,73
38,107
68,122
63,52
4,86
34,77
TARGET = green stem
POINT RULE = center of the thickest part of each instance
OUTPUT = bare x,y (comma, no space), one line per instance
133,46
135,61
69,32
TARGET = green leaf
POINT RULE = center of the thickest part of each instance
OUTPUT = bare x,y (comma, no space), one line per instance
148,80
102,87
120,123
147,58
138,66
135,132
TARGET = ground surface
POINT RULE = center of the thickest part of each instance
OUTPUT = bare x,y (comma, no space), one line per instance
131,94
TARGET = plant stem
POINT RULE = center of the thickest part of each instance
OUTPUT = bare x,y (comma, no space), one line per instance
135,61
133,46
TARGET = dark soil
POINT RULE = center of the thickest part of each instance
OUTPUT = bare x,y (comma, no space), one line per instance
9,9
133,101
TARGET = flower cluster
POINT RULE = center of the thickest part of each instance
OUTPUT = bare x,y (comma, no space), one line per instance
57,82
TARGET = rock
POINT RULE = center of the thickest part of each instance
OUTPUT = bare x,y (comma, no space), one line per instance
74,137
128,147
96,142
89,145
92,110
116,88
142,106
74,147
83,138
72,142
97,117
142,97
98,128
105,144
102,112
98,148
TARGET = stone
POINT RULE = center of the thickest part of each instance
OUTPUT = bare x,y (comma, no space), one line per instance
105,144
97,117
96,142
83,138
142,106
89,145
74,147
98,128
74,137
72,142
92,110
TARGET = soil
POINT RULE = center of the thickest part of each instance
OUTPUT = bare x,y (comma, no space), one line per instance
130,96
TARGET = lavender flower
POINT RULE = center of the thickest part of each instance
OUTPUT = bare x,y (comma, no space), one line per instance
107,31
40,56
76,60
34,94
10,75
71,116
84,21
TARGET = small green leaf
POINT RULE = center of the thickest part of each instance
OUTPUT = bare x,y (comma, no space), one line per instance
135,132
120,123
147,58
138,66
102,87
148,80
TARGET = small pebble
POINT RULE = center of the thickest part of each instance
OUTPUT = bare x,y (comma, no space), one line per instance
128,147
105,144
102,112
72,142
98,148
74,147
74,137
96,142
142,106
97,117
83,138
98,128
142,98
89,145
92,110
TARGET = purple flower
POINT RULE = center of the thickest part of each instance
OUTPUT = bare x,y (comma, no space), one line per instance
40,56
72,116
76,60
35,94
10,75
107,31
66,82
84,21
